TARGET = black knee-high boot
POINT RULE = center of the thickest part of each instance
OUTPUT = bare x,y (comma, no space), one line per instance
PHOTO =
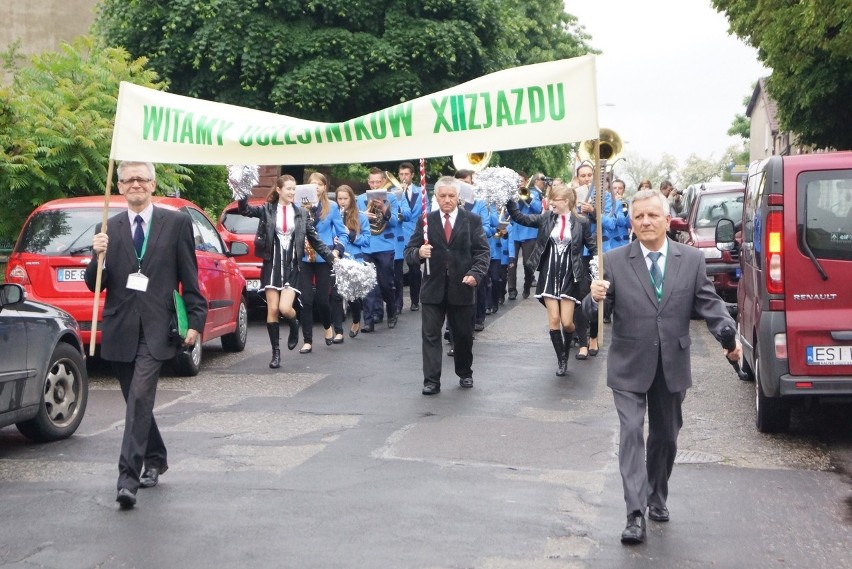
559,348
272,328
568,339
293,337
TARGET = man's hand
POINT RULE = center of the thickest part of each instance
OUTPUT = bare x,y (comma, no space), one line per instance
425,251
599,288
99,243
735,354
191,336
469,281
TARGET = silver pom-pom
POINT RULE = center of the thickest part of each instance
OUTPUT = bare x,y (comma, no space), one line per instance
354,279
241,179
593,269
496,185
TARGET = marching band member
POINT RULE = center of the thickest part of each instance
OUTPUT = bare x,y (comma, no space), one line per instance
557,255
315,274
358,225
413,196
525,237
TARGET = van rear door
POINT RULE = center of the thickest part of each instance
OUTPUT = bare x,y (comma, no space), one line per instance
818,266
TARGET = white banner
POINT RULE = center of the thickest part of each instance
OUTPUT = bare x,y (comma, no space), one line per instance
535,105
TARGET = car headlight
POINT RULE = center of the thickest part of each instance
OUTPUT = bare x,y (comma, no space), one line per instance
711,252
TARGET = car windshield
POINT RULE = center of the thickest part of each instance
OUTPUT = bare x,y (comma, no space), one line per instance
829,215
713,207
57,232
236,223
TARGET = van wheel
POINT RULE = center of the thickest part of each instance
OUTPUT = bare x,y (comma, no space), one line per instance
773,413
188,361
236,341
64,393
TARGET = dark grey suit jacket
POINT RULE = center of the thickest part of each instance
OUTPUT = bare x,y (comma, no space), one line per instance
467,253
643,330
169,261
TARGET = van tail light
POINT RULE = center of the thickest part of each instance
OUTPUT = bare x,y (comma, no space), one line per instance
774,253
781,346
17,274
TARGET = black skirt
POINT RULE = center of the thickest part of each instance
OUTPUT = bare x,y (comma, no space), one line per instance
282,271
556,278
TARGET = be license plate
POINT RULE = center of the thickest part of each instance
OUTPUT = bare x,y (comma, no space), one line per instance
829,355
70,275
253,284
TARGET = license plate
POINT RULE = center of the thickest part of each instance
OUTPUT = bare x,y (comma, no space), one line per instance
70,275
829,355
253,284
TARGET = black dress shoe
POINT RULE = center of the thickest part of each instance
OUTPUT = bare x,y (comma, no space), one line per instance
126,499
526,293
607,320
367,328
513,294
466,382
392,321
451,352
150,477
658,514
634,532
478,327
431,389
415,307
489,310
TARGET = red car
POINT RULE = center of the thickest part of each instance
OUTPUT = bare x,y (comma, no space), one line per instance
698,229
55,245
235,228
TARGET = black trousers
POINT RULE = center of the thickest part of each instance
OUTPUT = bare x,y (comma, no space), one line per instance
496,283
141,443
315,285
398,274
459,318
415,278
384,290
525,247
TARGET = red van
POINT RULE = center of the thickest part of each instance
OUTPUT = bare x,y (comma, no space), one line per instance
795,297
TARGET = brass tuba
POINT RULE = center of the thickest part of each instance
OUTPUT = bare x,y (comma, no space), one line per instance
378,223
610,144
475,161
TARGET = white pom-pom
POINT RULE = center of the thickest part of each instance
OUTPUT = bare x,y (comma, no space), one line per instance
354,279
593,268
496,185
241,179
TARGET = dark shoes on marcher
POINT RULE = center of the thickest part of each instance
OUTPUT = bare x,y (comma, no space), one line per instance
151,476
466,382
126,499
431,388
634,532
275,362
658,514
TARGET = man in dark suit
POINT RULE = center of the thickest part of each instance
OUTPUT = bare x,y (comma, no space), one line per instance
654,285
458,256
149,252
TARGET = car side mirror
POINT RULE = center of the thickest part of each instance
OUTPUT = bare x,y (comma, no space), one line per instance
238,248
11,293
725,235
678,224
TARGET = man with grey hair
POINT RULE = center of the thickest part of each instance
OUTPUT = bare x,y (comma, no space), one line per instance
149,253
458,256
654,285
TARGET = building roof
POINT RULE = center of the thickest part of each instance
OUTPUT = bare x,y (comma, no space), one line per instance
769,104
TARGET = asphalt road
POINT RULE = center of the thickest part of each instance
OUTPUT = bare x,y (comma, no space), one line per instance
337,461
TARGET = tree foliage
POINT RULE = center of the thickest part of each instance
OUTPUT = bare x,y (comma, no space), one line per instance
332,60
56,122
808,46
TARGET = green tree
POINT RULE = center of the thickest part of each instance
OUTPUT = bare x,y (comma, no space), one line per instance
332,60
56,122
808,46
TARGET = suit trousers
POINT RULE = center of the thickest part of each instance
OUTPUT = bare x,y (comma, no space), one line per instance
525,247
384,289
415,277
459,318
141,443
398,280
645,474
